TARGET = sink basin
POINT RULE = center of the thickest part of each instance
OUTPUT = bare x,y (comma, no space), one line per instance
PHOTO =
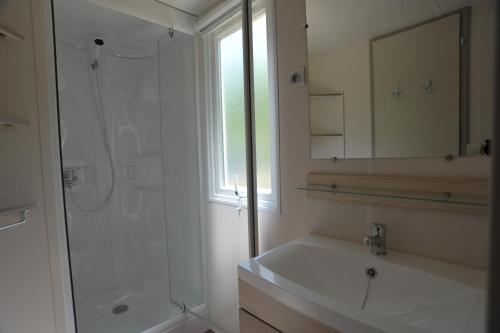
326,279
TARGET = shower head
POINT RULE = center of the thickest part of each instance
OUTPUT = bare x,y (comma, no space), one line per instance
98,43
97,52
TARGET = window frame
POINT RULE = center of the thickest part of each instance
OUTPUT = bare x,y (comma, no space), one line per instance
217,193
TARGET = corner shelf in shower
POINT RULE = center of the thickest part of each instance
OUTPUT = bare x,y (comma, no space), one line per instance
456,194
9,121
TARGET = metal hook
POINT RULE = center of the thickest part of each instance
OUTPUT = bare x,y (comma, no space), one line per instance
171,32
428,87
396,92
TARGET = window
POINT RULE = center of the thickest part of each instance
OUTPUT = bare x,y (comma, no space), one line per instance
227,130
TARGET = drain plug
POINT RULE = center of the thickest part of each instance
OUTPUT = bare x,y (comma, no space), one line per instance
120,308
371,272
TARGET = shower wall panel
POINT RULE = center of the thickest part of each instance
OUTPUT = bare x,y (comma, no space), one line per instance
124,242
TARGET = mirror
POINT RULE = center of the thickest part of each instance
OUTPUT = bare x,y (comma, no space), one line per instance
400,79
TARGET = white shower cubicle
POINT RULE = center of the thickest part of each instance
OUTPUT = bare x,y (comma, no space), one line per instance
129,143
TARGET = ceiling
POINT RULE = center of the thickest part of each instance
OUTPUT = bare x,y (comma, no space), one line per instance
196,7
338,24
78,22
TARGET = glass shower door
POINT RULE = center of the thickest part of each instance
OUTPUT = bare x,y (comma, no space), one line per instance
181,172
205,239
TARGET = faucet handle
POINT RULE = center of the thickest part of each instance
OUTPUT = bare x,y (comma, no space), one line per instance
376,241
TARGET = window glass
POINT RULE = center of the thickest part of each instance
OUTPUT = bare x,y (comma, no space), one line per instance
233,115
233,110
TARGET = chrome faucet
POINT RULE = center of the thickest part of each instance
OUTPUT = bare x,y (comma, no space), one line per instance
376,241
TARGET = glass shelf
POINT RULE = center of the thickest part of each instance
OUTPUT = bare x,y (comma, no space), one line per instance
445,197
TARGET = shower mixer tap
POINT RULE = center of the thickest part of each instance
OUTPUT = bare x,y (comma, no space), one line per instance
95,64
70,177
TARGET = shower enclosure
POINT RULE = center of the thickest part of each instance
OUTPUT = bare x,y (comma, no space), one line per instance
129,143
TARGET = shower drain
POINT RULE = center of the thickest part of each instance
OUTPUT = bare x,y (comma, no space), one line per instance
120,308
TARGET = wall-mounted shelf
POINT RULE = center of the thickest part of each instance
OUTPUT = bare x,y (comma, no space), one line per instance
8,34
9,121
466,195
444,197
13,216
326,94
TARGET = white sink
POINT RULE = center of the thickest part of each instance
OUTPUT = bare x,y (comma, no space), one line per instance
326,279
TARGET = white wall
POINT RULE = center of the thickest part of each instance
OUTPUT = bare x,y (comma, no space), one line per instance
26,280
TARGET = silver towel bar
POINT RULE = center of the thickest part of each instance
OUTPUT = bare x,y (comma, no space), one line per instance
19,216
9,34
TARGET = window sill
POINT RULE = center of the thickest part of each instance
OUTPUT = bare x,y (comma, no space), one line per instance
264,205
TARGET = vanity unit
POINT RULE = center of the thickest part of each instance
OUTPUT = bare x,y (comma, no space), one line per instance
322,284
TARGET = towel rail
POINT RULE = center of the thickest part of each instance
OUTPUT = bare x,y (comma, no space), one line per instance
12,217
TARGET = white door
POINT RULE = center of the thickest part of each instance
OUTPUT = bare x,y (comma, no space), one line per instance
419,122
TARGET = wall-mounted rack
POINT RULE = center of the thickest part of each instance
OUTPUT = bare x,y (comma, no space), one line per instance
9,121
15,215
456,194
4,33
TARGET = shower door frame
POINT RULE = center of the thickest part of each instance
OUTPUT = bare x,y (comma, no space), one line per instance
54,206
